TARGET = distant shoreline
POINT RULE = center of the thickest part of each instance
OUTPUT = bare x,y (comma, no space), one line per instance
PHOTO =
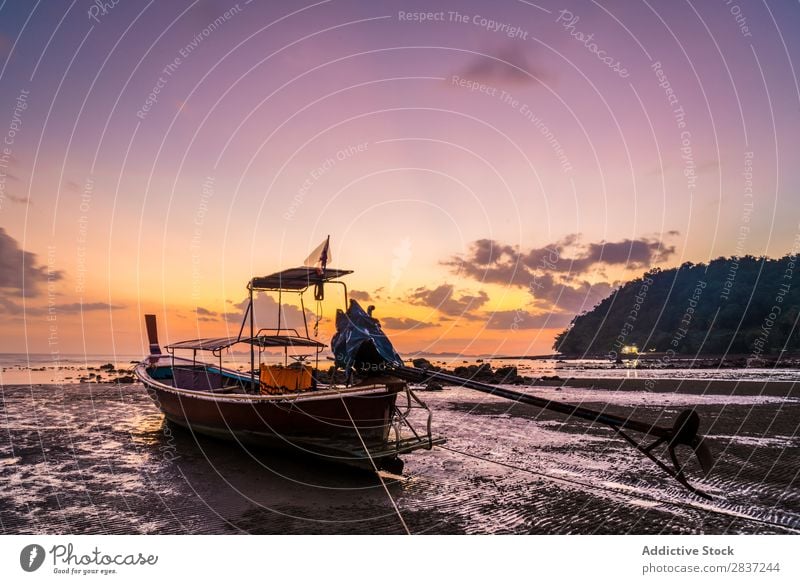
510,375
723,387
521,370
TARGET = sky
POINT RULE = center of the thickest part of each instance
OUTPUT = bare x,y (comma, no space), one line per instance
487,169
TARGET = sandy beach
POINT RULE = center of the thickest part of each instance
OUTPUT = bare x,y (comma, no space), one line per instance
98,458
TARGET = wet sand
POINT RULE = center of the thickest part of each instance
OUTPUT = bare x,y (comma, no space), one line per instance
98,458
721,387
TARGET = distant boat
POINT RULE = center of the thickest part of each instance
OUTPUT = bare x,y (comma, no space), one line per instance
287,406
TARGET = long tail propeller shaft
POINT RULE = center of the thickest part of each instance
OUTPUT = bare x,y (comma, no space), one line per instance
684,431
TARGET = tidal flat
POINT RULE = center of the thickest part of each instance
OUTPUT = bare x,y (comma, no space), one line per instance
96,458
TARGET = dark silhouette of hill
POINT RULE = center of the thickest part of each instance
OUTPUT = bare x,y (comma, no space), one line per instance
744,305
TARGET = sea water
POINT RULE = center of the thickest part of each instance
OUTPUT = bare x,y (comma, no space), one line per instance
38,368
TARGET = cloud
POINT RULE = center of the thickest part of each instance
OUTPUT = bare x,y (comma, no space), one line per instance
631,253
206,315
443,299
510,64
18,200
9,307
360,295
77,307
13,309
567,255
556,274
19,271
521,319
266,314
570,296
404,324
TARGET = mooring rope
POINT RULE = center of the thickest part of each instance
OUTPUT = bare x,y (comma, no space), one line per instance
703,507
375,467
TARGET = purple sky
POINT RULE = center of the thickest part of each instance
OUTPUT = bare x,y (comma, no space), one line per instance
478,164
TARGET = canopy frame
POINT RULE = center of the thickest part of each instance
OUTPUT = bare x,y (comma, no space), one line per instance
297,280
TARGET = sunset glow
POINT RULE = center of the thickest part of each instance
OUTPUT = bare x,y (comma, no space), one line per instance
487,170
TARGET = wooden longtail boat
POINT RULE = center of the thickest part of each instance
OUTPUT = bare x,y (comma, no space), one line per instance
365,423
359,422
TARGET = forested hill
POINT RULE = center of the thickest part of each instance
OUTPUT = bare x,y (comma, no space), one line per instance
742,305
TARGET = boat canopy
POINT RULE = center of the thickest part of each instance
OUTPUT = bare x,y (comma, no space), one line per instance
298,279
220,343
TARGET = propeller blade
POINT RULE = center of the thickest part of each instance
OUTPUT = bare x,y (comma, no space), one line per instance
704,455
684,430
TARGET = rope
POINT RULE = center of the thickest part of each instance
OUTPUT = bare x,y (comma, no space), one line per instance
317,318
375,467
619,492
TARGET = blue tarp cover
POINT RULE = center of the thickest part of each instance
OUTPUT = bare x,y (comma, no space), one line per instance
359,340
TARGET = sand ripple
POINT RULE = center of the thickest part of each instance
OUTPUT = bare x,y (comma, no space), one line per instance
98,459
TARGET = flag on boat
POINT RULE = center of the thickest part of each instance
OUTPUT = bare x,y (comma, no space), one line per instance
320,257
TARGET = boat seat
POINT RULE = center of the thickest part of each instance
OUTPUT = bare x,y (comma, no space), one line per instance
197,378
275,379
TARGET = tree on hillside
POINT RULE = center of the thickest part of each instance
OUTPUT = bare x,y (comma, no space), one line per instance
746,305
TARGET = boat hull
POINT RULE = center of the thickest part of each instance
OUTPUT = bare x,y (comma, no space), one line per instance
348,425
